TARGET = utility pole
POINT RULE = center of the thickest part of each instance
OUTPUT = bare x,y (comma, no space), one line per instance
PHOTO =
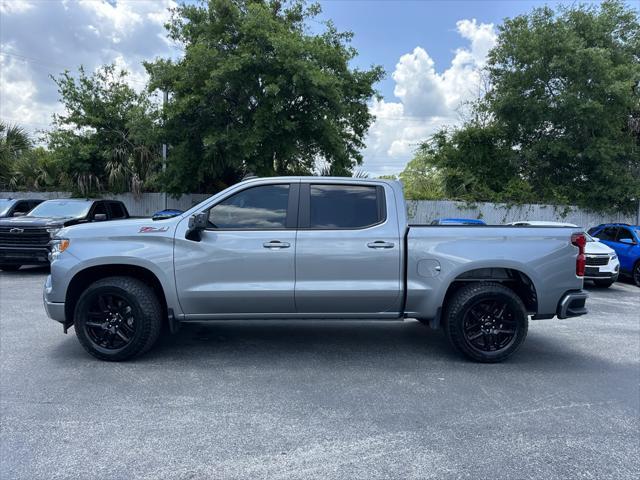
165,99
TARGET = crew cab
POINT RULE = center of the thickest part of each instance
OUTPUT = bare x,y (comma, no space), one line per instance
17,207
24,240
625,240
310,248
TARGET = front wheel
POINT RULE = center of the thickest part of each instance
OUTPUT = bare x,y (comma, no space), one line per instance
117,318
486,322
636,274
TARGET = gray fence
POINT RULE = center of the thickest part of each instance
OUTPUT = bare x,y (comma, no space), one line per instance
422,211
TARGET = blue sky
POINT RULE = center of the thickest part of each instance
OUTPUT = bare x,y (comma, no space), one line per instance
432,52
386,29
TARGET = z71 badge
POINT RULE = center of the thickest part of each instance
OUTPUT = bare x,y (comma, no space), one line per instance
153,229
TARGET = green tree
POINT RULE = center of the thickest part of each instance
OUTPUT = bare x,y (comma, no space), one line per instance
108,135
256,92
14,144
421,180
559,113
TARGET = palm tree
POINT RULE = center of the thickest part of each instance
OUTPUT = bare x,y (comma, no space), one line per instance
14,143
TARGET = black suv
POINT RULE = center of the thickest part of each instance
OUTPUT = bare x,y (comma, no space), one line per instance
17,207
24,240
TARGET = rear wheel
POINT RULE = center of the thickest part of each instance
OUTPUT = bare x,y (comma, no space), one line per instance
117,318
487,322
603,283
10,268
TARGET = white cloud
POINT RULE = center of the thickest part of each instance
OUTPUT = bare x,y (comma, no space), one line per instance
45,38
428,99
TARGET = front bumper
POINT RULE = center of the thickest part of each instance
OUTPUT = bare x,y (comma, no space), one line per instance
24,256
572,304
55,310
609,271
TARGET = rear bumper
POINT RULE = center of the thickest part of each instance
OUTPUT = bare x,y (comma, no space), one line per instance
572,304
24,256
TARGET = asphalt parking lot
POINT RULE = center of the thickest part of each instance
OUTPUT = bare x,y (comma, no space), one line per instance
343,400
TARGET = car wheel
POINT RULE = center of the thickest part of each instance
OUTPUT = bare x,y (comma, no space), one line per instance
117,318
603,283
10,268
636,274
486,322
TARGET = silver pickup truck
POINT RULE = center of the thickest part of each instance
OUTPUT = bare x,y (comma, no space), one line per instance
310,248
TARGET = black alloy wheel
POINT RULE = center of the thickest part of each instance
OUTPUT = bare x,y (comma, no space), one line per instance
110,321
490,325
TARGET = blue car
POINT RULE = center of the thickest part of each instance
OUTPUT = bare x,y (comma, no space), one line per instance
457,221
625,240
167,213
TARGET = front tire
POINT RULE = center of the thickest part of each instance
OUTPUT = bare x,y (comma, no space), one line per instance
117,318
10,268
486,322
636,274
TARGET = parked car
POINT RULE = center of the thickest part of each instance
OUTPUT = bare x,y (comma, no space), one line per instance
457,221
17,207
310,247
602,264
166,213
25,240
625,240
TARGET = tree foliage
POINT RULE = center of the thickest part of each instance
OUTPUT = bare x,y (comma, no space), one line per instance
564,95
256,92
108,135
15,143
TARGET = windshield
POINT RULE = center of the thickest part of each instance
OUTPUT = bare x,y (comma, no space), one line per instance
5,205
61,208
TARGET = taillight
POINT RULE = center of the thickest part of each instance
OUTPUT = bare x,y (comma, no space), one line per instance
580,241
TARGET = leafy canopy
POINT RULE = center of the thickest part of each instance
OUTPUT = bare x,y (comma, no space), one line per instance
108,135
560,114
256,92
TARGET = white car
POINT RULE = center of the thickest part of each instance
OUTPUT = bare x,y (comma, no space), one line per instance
603,265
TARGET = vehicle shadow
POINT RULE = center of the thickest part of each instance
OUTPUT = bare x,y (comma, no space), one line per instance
29,270
348,343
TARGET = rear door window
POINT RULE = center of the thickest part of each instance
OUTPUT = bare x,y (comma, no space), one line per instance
117,211
345,206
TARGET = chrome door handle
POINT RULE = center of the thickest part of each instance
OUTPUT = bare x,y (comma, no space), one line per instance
380,244
276,244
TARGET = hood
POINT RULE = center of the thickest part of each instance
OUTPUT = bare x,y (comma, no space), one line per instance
597,248
34,222
121,228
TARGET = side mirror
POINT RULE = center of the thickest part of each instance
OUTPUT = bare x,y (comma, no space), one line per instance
19,214
198,221
627,241
99,217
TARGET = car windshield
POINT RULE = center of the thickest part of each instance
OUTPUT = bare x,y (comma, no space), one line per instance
61,208
5,205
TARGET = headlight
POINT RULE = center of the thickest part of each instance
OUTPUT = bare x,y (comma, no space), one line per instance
613,256
53,231
58,245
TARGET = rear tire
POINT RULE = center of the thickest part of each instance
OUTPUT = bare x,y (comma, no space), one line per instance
10,268
603,283
486,322
117,318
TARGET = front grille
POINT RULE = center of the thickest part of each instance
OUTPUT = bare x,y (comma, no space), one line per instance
28,238
598,260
